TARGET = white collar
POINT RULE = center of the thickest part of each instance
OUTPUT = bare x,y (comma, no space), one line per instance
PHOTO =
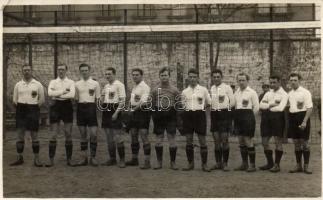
31,81
246,89
59,79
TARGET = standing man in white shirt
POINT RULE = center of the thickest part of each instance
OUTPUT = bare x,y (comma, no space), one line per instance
62,92
140,119
196,99
221,119
87,95
300,110
246,107
113,97
272,124
28,96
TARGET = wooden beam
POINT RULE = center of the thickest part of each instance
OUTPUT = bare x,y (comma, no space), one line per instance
87,2
19,18
166,28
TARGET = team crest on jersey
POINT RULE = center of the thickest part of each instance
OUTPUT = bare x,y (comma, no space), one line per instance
137,98
111,95
91,92
221,98
33,93
300,105
245,102
200,100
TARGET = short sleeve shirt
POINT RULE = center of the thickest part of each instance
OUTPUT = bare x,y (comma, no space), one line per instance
196,98
299,100
87,91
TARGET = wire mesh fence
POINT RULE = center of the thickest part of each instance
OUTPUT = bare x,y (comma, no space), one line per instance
256,52
231,51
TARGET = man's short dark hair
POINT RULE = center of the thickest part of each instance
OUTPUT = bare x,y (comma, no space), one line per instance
217,71
164,69
265,85
138,70
193,71
26,66
243,74
275,77
62,65
111,69
84,65
295,75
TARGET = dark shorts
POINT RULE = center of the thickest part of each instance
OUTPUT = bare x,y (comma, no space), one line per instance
86,114
244,122
139,119
27,116
164,120
107,112
295,120
221,121
61,110
194,121
272,124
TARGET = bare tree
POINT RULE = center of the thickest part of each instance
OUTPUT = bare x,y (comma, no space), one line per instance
217,13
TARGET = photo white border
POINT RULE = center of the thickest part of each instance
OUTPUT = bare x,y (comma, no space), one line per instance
4,3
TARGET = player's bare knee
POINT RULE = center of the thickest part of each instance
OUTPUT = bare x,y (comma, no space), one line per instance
34,136
118,139
145,139
120,144
93,138
305,146
159,141
297,146
279,146
189,138
21,136
226,145
248,142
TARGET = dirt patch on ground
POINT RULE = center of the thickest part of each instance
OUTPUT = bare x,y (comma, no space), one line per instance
108,182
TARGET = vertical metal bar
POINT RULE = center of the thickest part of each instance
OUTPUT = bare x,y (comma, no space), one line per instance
211,50
30,50
197,44
55,49
4,89
55,55
313,16
125,54
271,44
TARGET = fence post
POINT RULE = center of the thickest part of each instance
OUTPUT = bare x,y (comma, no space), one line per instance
125,54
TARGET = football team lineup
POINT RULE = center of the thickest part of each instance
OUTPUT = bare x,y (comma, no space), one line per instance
138,99
170,110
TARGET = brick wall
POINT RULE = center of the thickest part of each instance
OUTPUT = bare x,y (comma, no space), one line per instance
234,57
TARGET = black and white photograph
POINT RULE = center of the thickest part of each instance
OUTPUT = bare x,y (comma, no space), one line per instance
140,99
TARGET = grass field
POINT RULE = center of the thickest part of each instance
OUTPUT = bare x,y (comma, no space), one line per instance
108,182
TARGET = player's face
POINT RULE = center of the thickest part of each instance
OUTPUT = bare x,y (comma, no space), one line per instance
217,78
242,81
294,82
193,79
85,72
136,76
265,89
109,75
274,84
61,71
164,77
27,72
